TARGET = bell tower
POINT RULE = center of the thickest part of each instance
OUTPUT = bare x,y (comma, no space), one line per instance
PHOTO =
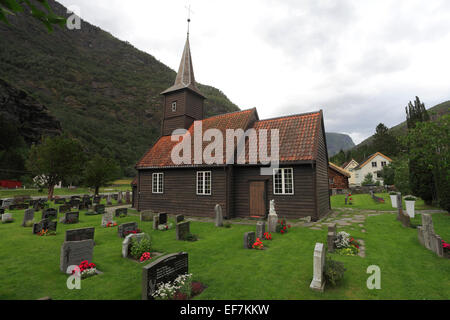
183,102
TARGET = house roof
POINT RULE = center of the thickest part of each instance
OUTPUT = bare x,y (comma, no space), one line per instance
345,164
185,76
298,136
368,159
339,169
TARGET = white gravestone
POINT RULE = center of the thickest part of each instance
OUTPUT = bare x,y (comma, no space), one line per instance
318,282
272,220
219,216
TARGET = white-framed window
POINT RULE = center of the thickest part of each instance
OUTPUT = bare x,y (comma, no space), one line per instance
174,106
383,163
204,183
158,182
374,164
283,181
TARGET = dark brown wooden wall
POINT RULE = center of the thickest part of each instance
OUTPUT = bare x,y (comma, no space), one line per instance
339,180
323,196
301,204
179,195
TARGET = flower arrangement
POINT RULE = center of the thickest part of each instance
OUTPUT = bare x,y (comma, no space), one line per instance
446,248
86,269
131,232
258,244
392,193
46,232
410,198
350,199
282,226
267,236
145,256
165,227
346,245
111,224
179,289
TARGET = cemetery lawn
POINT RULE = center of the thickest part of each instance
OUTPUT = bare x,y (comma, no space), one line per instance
30,264
365,201
60,192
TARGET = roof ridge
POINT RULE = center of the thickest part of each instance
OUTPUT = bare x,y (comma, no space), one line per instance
290,116
228,113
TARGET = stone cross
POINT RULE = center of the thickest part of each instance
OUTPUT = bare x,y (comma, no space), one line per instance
219,217
318,282
272,220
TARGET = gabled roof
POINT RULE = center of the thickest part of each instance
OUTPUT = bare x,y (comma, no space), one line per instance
368,159
185,76
298,136
339,169
345,165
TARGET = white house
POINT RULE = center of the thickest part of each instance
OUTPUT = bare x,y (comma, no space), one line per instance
372,165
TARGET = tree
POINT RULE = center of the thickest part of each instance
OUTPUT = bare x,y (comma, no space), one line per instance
420,174
56,159
13,151
388,174
37,8
368,180
385,142
99,171
429,142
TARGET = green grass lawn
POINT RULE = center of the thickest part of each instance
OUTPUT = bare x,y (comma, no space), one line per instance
365,201
30,264
10,193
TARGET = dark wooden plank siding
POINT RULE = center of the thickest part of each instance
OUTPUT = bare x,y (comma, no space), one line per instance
337,180
322,191
179,195
301,204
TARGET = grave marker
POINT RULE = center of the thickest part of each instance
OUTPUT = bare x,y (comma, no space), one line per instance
162,218
126,227
107,218
146,215
121,211
272,220
50,214
99,208
7,217
249,240
127,242
74,252
79,234
219,216
71,217
28,216
260,229
183,230
318,282
65,208
44,224
179,218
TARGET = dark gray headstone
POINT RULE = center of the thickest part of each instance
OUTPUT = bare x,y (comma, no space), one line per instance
74,252
50,213
44,224
127,197
249,240
162,218
155,222
179,218
60,201
164,270
99,208
121,211
97,199
71,217
147,215
260,229
2,211
28,216
7,202
124,228
182,230
18,206
80,234
65,208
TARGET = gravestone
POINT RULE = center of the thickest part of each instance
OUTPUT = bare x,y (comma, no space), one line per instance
7,202
109,199
97,199
162,218
126,227
119,197
318,282
28,216
260,229
18,206
183,230
127,197
121,211
75,203
44,224
65,208
79,234
71,217
2,211
272,220
331,237
427,237
115,196
50,214
60,201
127,242
155,222
74,252
179,218
346,199
146,215
39,205
7,217
107,218
99,208
249,240
164,270
219,216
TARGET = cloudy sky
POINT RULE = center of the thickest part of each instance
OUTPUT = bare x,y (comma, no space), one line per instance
360,61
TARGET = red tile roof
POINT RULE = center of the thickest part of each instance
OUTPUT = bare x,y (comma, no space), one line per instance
298,136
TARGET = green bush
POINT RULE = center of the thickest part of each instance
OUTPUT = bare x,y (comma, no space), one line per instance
334,271
138,248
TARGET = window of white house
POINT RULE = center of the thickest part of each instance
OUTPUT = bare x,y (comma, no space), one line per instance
283,181
383,163
374,164
204,182
158,182
174,106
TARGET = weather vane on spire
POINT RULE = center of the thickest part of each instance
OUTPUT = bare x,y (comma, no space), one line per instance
189,17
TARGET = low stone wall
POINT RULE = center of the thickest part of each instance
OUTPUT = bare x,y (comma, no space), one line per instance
367,189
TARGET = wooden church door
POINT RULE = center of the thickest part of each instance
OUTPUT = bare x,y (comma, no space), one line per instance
257,198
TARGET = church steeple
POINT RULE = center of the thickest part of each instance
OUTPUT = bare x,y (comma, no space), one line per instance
183,102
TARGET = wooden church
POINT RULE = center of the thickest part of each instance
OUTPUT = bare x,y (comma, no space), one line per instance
299,187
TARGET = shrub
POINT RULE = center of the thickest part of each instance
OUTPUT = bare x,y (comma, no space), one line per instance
139,248
334,271
282,226
392,193
410,198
